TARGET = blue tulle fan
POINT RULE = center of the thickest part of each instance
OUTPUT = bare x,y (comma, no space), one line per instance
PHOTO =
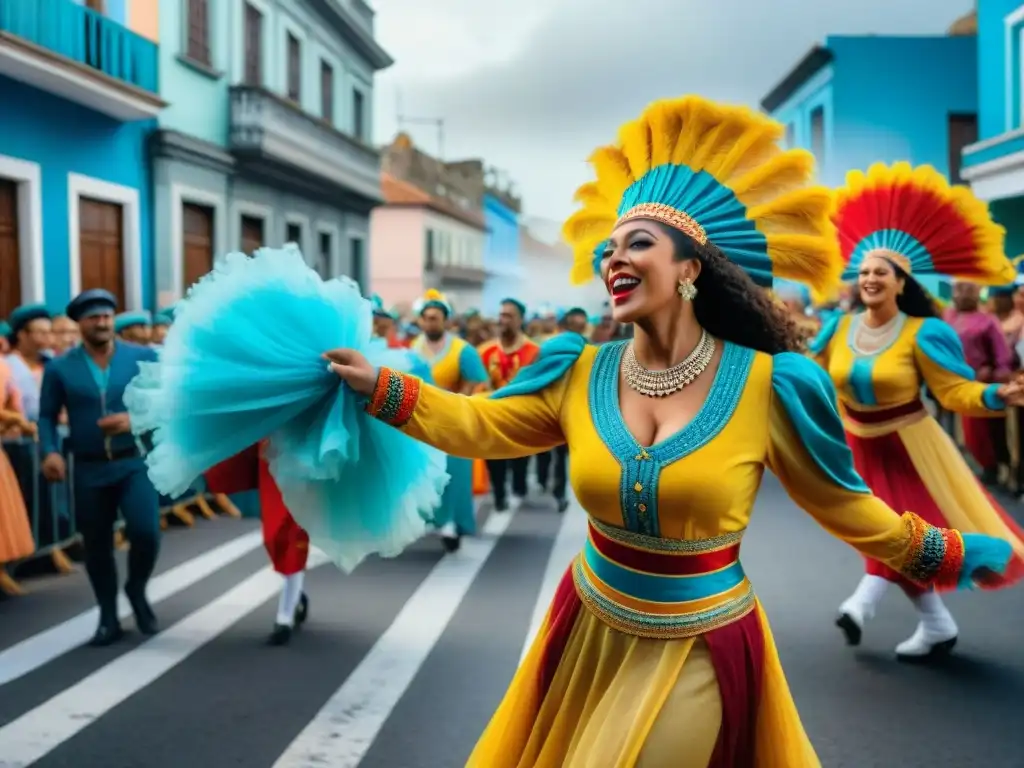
244,362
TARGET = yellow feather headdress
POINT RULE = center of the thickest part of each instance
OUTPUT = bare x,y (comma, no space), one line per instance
716,173
432,298
918,221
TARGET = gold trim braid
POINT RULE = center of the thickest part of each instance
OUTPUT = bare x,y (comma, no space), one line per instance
666,214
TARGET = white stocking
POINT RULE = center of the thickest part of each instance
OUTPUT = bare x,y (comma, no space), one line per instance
291,592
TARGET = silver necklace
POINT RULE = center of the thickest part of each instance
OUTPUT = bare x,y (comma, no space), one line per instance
669,381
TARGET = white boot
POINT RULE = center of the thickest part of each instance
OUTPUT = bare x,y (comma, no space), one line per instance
859,608
289,599
936,631
292,609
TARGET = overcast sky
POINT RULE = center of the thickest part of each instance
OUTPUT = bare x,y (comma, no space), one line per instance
532,86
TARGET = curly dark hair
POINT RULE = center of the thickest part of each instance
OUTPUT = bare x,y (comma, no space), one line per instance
730,305
915,301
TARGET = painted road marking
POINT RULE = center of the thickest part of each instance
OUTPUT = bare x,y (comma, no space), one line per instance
43,729
43,647
568,543
343,731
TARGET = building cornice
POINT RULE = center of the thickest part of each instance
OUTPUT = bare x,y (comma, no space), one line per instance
188,149
816,59
359,36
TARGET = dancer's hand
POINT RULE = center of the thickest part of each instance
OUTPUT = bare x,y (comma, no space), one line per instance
354,369
1012,393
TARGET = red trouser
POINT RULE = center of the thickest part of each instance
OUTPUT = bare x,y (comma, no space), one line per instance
286,542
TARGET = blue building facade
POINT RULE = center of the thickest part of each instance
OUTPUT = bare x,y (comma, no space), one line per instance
501,250
857,100
267,138
75,186
994,165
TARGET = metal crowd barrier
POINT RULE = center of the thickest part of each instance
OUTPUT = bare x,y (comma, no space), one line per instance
50,506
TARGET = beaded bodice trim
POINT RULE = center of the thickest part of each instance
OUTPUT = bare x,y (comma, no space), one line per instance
641,467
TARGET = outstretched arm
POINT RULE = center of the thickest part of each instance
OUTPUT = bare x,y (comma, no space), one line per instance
471,427
808,452
521,419
940,358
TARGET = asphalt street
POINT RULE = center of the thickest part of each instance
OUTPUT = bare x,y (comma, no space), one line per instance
403,661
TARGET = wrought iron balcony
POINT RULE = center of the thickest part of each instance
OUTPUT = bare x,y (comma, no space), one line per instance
275,133
80,55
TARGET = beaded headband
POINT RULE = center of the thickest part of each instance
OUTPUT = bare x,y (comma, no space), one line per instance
898,259
667,215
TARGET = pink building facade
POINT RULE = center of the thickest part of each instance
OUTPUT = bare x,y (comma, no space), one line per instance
397,254
420,241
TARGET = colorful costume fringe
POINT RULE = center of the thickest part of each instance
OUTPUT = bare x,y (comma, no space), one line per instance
914,219
243,362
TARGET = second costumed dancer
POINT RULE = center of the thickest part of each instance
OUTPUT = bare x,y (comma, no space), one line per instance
896,223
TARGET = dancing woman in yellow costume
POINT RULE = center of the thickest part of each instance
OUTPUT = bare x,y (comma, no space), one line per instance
655,651
894,223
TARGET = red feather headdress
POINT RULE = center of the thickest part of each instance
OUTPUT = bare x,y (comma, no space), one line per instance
914,218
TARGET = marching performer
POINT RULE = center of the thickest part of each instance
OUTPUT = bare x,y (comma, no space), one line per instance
286,542
896,223
503,358
671,431
456,367
385,323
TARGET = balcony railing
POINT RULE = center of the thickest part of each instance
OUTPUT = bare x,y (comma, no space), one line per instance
277,130
85,37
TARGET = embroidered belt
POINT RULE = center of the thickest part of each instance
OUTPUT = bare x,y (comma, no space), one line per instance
661,588
882,421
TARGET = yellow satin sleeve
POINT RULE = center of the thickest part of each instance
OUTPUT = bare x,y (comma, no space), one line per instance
954,392
856,516
473,426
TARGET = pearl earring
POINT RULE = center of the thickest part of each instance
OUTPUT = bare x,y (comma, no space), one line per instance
687,290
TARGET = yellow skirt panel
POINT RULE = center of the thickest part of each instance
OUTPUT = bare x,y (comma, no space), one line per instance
952,485
619,701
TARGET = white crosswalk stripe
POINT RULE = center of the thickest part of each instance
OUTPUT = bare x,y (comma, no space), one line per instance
89,686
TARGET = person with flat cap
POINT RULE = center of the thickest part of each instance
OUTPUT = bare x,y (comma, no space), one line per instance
136,327
109,470
162,322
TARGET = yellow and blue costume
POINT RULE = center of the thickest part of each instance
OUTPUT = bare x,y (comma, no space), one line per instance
456,367
655,651
915,220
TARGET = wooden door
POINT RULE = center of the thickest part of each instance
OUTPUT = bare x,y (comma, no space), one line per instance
197,241
10,253
252,234
101,246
